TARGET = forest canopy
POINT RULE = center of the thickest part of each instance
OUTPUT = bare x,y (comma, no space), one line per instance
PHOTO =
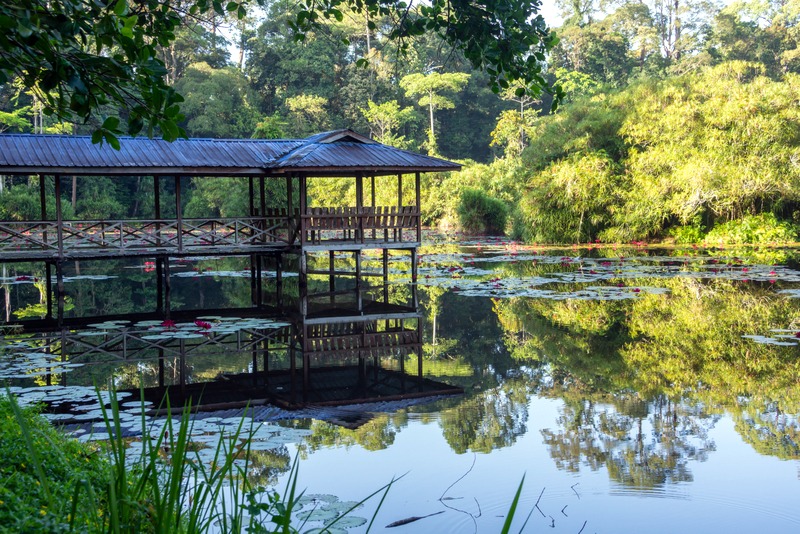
677,119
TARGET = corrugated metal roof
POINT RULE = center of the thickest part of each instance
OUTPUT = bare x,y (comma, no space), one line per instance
336,151
356,155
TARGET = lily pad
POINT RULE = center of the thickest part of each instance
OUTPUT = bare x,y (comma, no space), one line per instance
316,515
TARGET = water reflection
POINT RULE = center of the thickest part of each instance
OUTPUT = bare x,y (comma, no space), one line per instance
637,392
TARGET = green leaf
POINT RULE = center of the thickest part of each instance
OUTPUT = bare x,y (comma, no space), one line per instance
232,6
121,8
97,137
111,123
112,140
24,27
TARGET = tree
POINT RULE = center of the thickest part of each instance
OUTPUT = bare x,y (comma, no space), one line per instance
308,115
15,119
218,102
385,118
92,54
429,86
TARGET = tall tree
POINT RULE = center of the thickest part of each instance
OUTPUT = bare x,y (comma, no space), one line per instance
429,87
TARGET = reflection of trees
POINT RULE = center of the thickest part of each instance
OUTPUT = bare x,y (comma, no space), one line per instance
684,345
606,434
774,434
490,420
264,467
376,434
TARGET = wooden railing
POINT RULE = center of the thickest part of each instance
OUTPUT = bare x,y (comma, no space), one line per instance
118,237
381,223
348,340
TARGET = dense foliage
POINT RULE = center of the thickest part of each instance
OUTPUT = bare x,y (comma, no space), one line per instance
677,118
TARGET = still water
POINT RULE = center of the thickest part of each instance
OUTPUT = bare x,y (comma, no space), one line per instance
636,389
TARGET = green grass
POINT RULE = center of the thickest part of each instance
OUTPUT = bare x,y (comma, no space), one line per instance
36,490
51,483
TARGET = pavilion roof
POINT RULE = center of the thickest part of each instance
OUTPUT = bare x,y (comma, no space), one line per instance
335,153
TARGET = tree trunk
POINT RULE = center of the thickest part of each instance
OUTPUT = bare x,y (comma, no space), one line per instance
74,191
241,45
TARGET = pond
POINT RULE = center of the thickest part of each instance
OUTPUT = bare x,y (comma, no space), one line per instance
635,388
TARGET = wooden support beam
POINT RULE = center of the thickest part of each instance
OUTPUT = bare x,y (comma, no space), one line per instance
290,211
178,212
385,276
43,201
263,208
372,181
360,206
303,194
419,208
157,202
59,218
331,276
398,233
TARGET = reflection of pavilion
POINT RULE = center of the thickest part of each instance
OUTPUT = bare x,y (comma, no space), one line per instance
321,362
320,343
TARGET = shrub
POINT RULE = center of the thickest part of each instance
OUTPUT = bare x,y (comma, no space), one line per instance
480,213
691,233
761,228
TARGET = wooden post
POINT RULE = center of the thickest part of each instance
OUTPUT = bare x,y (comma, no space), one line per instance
385,276
289,210
331,277
303,208
253,279
302,282
59,219
372,179
178,212
358,278
360,206
279,279
157,202
263,211
418,209
43,199
259,298
399,207
414,300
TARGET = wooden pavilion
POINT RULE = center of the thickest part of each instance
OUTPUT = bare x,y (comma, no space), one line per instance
266,232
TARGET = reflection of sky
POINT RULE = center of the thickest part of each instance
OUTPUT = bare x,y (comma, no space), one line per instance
735,490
